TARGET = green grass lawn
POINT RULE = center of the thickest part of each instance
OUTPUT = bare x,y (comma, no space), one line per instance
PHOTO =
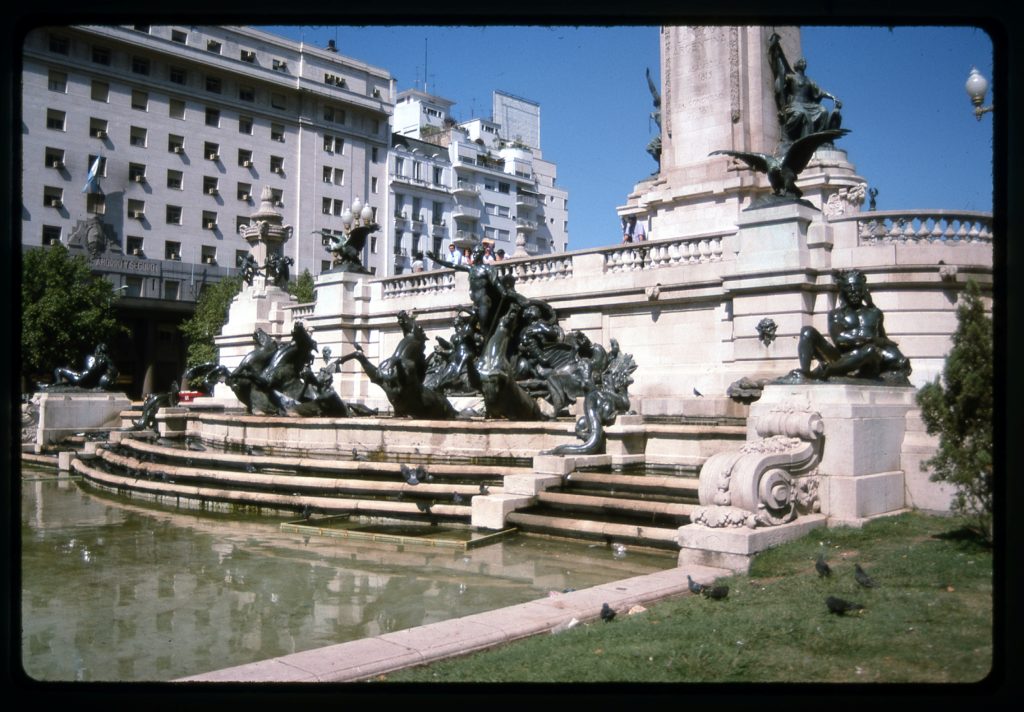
928,621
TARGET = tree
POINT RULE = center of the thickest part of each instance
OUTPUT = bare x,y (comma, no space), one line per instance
959,409
66,310
208,319
303,288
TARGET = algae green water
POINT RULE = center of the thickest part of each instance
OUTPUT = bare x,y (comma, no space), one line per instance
118,589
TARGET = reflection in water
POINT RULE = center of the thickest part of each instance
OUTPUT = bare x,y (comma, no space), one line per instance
119,589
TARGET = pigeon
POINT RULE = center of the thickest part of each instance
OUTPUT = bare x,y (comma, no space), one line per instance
715,592
822,567
356,456
697,393
862,578
484,489
250,468
841,607
694,586
456,498
409,474
424,506
783,170
307,511
607,613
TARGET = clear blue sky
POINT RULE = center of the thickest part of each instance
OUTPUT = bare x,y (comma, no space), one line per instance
913,134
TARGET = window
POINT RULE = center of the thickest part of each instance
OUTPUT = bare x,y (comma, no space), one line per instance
279,65
133,245
101,55
334,144
137,172
51,234
213,46
212,117
278,101
334,80
373,184
334,175
172,249
175,144
209,252
245,191
101,171
210,185
179,36
245,158
326,206
240,255
277,165
399,166
58,81
53,197
140,65
438,213
417,204
96,203
438,175
399,201
172,288
417,170
247,55
135,287
177,75
211,151
334,115
277,132
174,179
55,119
140,100
137,136
245,125
373,154
247,93
100,91
97,128
59,44
373,244
209,220
214,84
136,209
54,158
503,188
174,216
176,109
277,197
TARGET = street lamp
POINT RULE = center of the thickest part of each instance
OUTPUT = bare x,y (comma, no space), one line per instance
976,87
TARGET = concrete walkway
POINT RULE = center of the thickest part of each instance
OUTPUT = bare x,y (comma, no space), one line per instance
364,659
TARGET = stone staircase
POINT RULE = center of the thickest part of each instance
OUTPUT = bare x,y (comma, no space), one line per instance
639,510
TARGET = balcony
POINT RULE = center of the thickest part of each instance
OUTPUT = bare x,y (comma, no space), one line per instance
465,188
525,225
437,230
465,213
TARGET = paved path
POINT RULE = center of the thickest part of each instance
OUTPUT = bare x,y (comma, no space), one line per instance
369,657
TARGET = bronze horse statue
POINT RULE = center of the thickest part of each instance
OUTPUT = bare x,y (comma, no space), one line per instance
503,397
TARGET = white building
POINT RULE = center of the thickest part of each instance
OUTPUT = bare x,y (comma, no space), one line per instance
190,124
473,181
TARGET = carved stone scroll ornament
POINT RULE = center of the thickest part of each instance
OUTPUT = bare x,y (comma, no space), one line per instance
768,481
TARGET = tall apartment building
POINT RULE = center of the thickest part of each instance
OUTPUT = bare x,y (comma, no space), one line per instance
190,124
471,182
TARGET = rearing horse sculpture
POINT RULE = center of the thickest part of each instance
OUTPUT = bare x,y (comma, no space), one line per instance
503,397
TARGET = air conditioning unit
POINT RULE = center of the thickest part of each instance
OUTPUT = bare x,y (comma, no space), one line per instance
212,191
174,256
209,260
210,224
212,156
278,204
179,149
55,203
139,178
278,170
405,215
327,211
137,214
137,251
57,164
101,134
245,196
247,164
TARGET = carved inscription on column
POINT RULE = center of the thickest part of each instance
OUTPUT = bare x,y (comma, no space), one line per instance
668,47
734,73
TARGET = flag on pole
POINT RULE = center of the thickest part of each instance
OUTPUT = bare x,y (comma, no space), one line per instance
92,181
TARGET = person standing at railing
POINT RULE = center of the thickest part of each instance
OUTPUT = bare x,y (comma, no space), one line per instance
633,231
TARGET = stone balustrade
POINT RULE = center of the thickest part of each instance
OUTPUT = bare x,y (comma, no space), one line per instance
301,311
404,285
663,253
539,269
947,227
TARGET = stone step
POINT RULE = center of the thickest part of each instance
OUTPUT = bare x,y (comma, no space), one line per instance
574,528
676,485
613,505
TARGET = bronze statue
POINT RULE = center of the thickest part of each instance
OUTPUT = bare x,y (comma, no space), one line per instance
859,349
153,403
798,99
654,147
99,373
277,269
503,396
783,170
249,267
486,289
347,250
401,375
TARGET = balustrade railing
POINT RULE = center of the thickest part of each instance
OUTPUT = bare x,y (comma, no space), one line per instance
301,311
655,254
538,269
405,285
945,227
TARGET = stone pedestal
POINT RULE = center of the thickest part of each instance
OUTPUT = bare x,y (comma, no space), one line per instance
63,414
861,460
734,548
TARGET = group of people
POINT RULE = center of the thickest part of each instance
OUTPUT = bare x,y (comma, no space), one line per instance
461,257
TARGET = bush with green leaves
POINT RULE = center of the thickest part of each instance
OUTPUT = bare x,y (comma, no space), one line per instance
66,310
208,320
302,288
958,407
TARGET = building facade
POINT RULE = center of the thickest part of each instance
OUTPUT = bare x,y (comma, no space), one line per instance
471,182
186,127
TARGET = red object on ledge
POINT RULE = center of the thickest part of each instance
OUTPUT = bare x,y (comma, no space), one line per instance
188,396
